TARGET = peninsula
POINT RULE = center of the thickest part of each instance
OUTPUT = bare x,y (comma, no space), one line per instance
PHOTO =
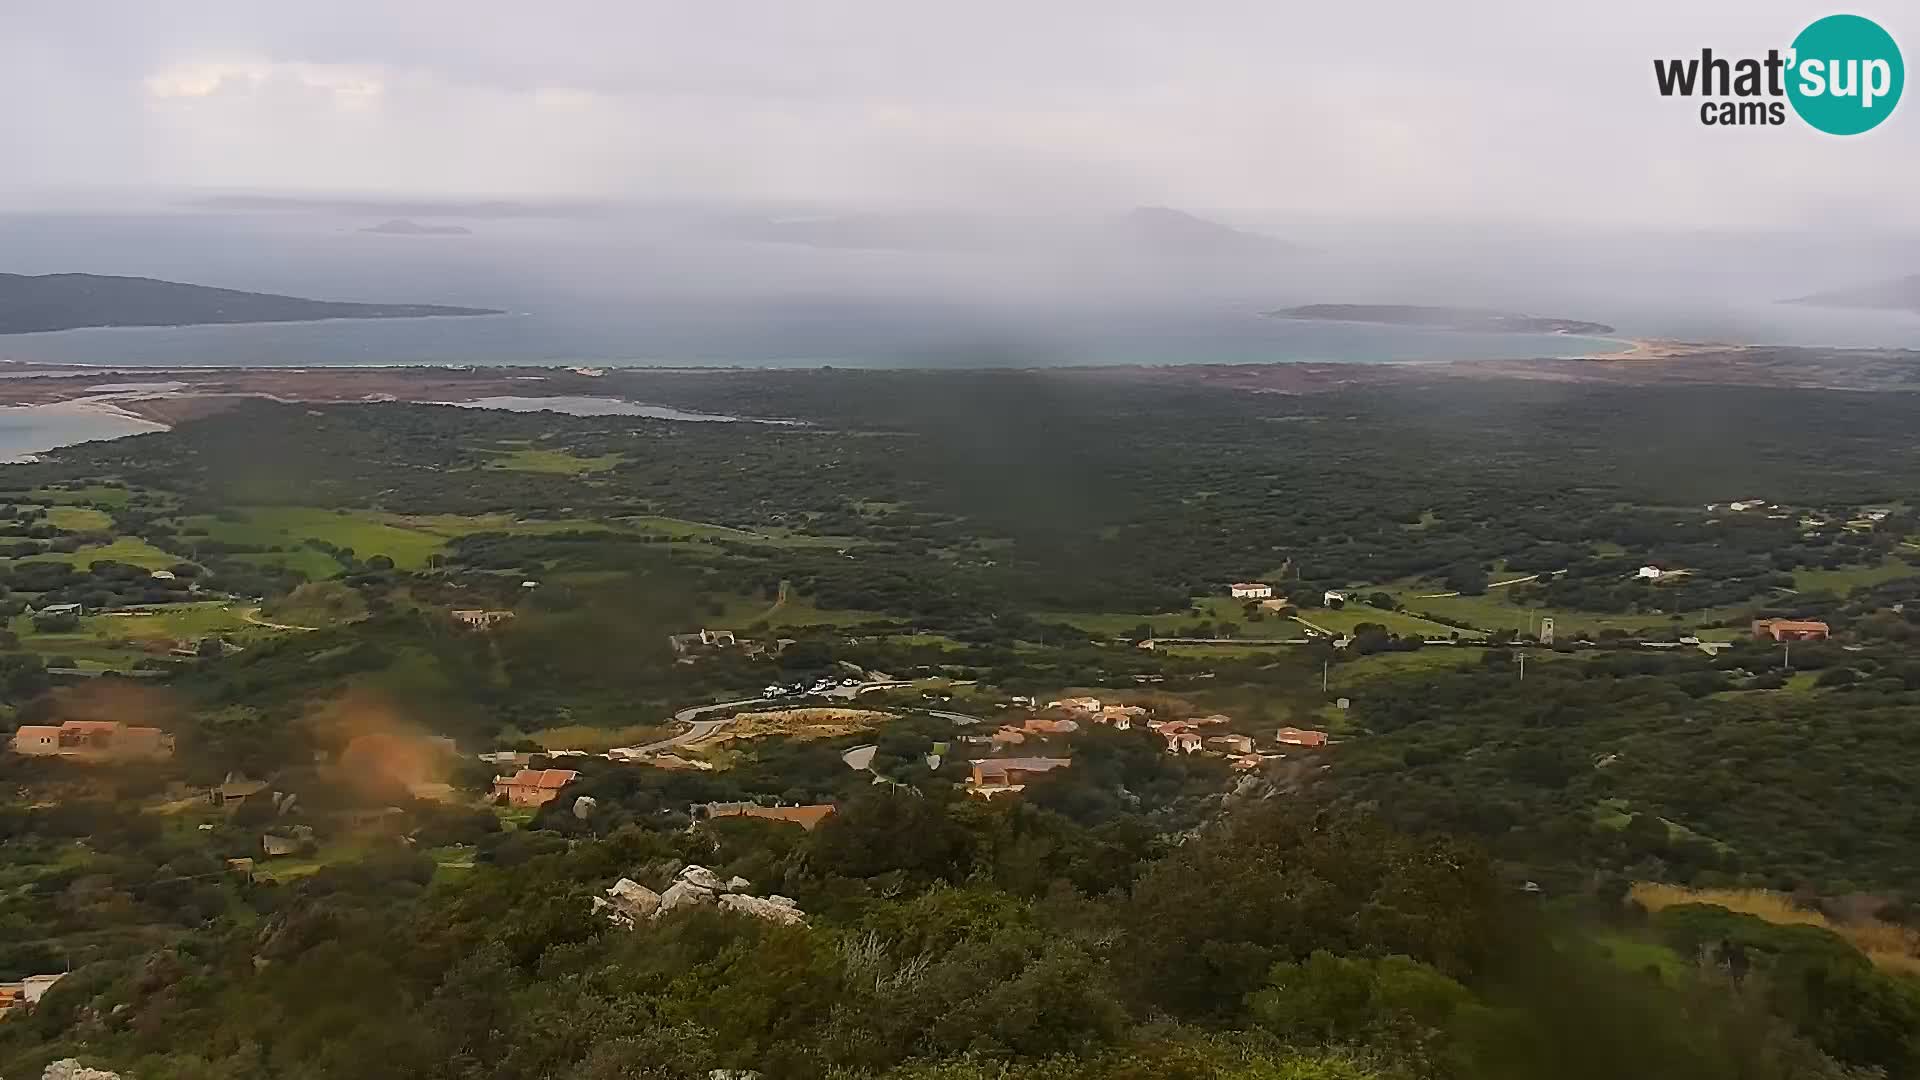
1443,318
32,304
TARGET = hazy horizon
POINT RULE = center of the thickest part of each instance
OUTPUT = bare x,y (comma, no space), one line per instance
979,161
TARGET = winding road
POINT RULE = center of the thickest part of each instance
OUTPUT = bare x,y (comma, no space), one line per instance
699,730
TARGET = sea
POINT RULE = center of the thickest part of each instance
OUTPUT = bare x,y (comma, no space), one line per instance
672,290
675,290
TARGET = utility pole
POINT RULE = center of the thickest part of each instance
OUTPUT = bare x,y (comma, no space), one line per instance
1324,666
1786,654
1523,665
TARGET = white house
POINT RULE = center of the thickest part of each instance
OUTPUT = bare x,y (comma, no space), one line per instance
1251,590
1651,573
1332,597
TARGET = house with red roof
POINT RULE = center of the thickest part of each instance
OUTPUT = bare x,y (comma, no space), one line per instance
533,787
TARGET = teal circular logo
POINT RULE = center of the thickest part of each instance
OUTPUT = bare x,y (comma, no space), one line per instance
1846,75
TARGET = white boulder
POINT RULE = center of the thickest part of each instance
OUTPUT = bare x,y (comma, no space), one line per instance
627,902
703,878
71,1069
683,894
774,908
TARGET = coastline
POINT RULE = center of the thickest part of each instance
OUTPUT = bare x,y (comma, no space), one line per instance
1658,349
140,397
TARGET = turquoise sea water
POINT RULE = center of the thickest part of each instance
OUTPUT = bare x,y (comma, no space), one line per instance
791,335
31,429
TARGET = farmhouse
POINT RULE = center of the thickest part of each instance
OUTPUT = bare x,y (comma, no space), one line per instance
1250,590
92,740
27,992
1040,725
75,610
1293,736
1650,573
992,776
1790,630
1230,744
475,619
704,639
236,790
1076,704
533,787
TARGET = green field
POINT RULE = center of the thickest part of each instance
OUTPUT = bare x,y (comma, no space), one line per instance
1397,622
368,534
79,518
1842,582
743,611
1208,652
595,740
1492,611
681,529
1214,609
1431,658
115,641
126,549
1636,955
98,494
1222,609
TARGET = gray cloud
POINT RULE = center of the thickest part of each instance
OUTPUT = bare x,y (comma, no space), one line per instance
1363,112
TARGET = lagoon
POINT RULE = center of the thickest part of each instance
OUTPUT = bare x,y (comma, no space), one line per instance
28,430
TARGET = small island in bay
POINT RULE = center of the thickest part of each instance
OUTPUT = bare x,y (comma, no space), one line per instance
1478,320
409,227
37,303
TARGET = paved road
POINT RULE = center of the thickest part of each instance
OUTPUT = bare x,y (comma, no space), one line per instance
699,730
696,731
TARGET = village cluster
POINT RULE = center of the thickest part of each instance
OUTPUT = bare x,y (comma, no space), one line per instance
993,776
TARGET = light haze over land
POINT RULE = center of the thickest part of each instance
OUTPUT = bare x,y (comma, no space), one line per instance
866,182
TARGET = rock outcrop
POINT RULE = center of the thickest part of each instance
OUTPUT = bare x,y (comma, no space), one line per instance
702,878
71,1069
778,909
628,902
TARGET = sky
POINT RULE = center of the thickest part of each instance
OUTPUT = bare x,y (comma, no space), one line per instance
1367,112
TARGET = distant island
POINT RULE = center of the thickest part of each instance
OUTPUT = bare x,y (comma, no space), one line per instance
1900,294
1445,318
408,227
1165,231
33,304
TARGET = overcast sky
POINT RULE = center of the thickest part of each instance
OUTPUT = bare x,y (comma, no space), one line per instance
1355,111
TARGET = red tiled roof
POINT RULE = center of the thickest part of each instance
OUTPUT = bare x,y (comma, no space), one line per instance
543,778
